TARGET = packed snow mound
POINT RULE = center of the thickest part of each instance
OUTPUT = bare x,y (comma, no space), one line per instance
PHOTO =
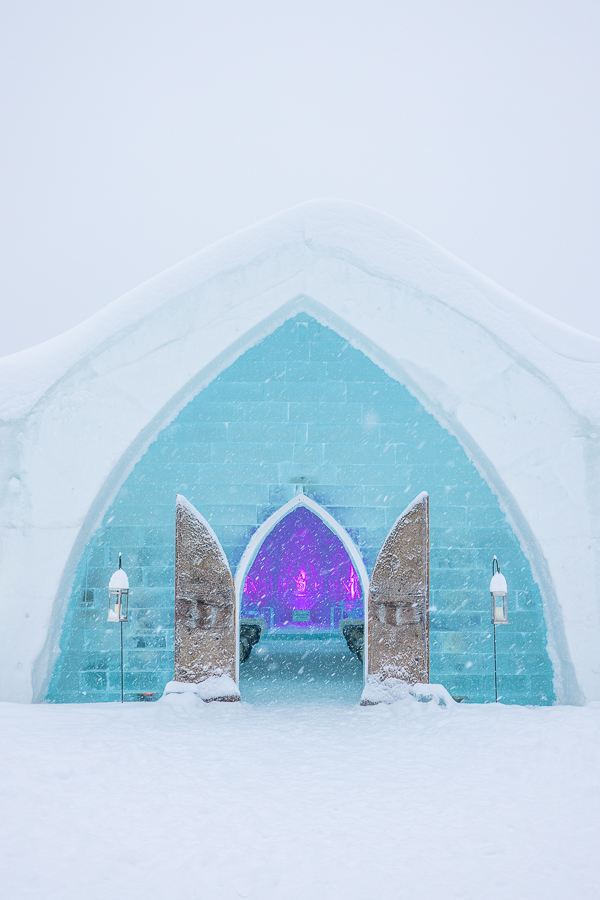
392,690
215,687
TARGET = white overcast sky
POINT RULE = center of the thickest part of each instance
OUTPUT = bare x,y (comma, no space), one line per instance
137,132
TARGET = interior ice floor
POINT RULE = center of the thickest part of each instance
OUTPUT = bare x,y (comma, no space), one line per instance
291,668
290,802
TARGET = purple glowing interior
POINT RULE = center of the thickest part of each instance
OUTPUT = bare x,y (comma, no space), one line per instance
302,576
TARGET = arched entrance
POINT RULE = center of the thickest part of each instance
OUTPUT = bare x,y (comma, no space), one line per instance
369,446
300,579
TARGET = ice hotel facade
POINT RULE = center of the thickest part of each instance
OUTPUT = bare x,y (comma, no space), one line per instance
299,384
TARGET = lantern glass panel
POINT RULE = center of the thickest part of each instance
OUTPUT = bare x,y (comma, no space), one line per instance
499,609
118,605
124,605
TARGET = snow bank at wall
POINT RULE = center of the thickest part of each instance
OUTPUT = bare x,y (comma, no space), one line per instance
517,388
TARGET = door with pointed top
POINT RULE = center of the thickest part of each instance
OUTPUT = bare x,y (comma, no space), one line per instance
398,609
205,633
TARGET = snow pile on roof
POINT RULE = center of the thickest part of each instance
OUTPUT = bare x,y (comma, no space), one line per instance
118,581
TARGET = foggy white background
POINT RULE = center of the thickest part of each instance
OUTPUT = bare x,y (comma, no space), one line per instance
137,132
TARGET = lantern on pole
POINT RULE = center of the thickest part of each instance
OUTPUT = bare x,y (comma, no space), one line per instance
498,593
118,605
118,596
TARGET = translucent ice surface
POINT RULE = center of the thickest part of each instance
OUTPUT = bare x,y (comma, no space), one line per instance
516,389
301,669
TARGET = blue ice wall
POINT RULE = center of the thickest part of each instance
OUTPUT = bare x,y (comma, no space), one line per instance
304,404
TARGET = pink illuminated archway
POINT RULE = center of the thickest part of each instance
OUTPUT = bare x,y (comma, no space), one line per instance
301,570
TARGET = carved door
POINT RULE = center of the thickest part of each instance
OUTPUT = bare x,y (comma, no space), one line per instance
398,611
205,630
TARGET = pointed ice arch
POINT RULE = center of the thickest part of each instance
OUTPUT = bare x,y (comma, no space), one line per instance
518,390
300,501
304,404
258,538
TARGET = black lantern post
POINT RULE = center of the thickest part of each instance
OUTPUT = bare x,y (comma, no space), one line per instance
118,605
498,593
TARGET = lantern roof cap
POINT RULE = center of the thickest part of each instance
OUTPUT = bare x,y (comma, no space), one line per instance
498,584
119,581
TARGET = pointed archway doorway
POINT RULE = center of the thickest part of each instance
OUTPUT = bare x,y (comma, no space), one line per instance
299,584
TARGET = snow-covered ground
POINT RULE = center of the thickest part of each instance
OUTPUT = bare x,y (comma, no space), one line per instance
315,802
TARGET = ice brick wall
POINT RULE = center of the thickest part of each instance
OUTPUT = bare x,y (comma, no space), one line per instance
304,404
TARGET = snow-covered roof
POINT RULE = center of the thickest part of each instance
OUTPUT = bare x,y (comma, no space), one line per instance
498,584
299,239
517,388
118,581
